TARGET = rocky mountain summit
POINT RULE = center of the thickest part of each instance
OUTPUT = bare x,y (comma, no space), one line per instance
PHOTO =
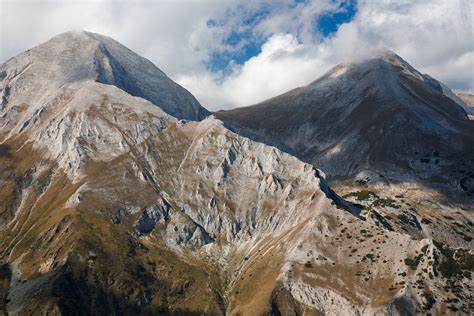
78,56
119,198
379,115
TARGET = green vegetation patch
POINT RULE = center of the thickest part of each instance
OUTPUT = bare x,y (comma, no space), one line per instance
424,249
362,181
426,221
455,262
361,195
429,300
385,203
369,256
5,278
5,271
413,263
403,218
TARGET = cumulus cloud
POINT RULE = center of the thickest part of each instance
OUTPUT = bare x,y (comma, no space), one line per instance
172,34
436,37
182,37
283,63
176,35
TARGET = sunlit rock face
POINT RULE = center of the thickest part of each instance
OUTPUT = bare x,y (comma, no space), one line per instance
76,57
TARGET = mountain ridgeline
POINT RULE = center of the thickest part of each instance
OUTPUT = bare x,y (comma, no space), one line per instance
121,195
79,56
378,115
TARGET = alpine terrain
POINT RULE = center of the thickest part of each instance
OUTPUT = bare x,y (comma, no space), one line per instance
120,194
379,114
468,99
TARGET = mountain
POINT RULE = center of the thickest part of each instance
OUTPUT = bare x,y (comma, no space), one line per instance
112,205
77,56
468,100
461,98
378,116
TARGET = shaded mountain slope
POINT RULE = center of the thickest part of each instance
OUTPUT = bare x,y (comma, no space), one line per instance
379,114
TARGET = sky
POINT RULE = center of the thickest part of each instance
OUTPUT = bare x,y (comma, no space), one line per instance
241,52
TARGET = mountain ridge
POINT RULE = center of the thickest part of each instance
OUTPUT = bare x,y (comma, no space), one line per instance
371,107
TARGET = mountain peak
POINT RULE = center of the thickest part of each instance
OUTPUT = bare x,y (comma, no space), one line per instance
65,43
358,112
384,53
76,56
379,67
388,56
85,38
73,34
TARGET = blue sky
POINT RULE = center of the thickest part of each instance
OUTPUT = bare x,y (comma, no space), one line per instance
250,44
328,23
232,53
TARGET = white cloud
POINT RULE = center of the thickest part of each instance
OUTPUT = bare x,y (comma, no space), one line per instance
436,37
282,64
173,35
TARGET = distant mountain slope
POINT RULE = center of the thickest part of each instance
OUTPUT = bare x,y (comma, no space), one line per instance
467,98
379,114
77,56
453,95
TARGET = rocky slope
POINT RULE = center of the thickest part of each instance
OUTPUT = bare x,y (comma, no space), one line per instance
379,115
468,99
78,56
110,205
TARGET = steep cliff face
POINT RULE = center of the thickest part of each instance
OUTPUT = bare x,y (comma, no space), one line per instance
111,205
380,114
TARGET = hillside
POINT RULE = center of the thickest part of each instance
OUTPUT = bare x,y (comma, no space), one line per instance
379,116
